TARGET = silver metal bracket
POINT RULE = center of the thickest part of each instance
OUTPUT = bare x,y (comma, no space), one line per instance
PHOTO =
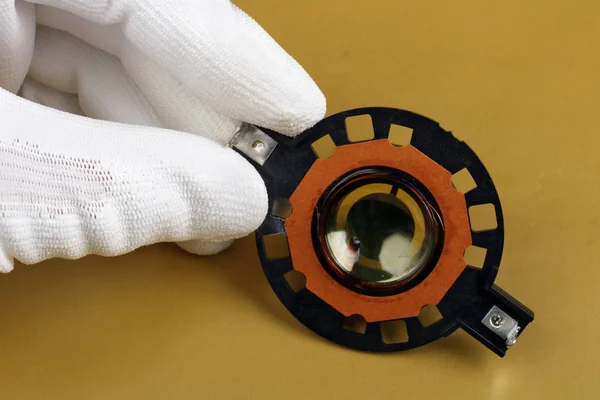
502,325
254,143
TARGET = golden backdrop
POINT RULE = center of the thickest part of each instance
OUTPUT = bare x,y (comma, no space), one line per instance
518,80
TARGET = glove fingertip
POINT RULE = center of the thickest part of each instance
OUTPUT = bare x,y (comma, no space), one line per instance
6,262
203,248
302,113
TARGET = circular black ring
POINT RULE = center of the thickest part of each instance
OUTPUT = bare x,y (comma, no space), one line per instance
292,159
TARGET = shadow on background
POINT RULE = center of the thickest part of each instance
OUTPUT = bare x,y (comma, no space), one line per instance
163,276
247,277
146,290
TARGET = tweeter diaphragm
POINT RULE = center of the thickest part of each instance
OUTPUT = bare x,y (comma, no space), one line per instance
366,239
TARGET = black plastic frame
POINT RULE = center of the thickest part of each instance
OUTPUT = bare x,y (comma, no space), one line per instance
469,298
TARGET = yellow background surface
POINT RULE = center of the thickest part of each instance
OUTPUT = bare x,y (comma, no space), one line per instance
518,80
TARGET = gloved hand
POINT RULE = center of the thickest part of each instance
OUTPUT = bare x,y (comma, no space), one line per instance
113,178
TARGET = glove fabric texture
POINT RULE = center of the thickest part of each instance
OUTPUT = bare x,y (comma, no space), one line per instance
116,118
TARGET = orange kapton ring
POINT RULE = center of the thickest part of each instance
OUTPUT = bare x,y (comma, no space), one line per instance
453,209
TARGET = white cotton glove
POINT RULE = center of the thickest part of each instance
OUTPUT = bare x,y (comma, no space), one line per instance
174,78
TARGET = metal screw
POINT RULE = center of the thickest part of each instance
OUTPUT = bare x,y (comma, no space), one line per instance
258,146
497,320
